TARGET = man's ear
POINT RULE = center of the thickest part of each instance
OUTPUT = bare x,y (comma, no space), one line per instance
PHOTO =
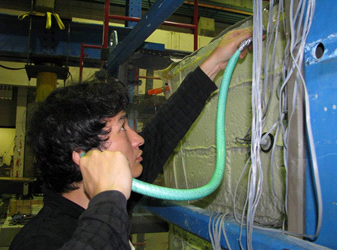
76,157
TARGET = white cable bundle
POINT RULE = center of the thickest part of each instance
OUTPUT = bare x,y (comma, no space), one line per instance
300,19
255,173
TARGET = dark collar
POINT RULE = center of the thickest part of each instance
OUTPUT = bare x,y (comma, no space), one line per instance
61,204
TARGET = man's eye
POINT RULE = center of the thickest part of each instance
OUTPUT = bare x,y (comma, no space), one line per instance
122,128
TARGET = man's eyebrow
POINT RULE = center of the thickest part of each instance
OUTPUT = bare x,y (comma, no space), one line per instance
123,117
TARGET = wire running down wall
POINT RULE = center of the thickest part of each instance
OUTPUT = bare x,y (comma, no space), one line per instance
193,161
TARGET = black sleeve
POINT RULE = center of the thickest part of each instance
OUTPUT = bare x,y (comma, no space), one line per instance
171,123
104,225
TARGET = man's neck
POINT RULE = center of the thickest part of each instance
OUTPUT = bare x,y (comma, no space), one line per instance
78,196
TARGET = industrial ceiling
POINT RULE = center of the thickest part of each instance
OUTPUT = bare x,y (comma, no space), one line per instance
222,11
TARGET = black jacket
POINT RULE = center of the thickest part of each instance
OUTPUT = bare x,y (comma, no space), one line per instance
105,224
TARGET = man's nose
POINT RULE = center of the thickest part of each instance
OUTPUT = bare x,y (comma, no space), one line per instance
137,140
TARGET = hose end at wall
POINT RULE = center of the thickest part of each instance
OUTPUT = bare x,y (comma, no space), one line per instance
245,44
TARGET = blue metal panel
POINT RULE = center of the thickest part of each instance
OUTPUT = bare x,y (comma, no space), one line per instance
153,18
321,75
195,220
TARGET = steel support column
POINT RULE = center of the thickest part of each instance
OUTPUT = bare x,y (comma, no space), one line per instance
153,18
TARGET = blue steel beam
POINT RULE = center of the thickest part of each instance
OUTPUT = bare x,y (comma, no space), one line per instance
14,35
195,220
153,18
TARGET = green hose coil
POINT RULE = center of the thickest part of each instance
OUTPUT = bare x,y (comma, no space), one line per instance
200,192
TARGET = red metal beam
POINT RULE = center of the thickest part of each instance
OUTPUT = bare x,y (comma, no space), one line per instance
82,56
195,24
106,24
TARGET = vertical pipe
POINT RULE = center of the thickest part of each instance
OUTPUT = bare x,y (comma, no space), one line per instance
296,150
81,61
149,81
136,81
195,24
19,140
45,84
68,42
30,30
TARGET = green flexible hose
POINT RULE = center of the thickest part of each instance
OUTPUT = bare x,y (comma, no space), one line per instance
200,192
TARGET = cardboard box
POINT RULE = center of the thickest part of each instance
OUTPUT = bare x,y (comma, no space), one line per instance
24,206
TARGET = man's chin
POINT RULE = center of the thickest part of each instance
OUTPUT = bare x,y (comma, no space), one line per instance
137,171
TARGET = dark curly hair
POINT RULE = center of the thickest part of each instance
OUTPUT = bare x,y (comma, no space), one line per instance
72,118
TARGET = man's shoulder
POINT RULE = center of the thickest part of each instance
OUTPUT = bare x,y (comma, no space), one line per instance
45,229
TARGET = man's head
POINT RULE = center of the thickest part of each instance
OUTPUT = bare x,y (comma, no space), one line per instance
121,137
78,118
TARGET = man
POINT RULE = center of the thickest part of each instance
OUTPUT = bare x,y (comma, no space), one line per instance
85,198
